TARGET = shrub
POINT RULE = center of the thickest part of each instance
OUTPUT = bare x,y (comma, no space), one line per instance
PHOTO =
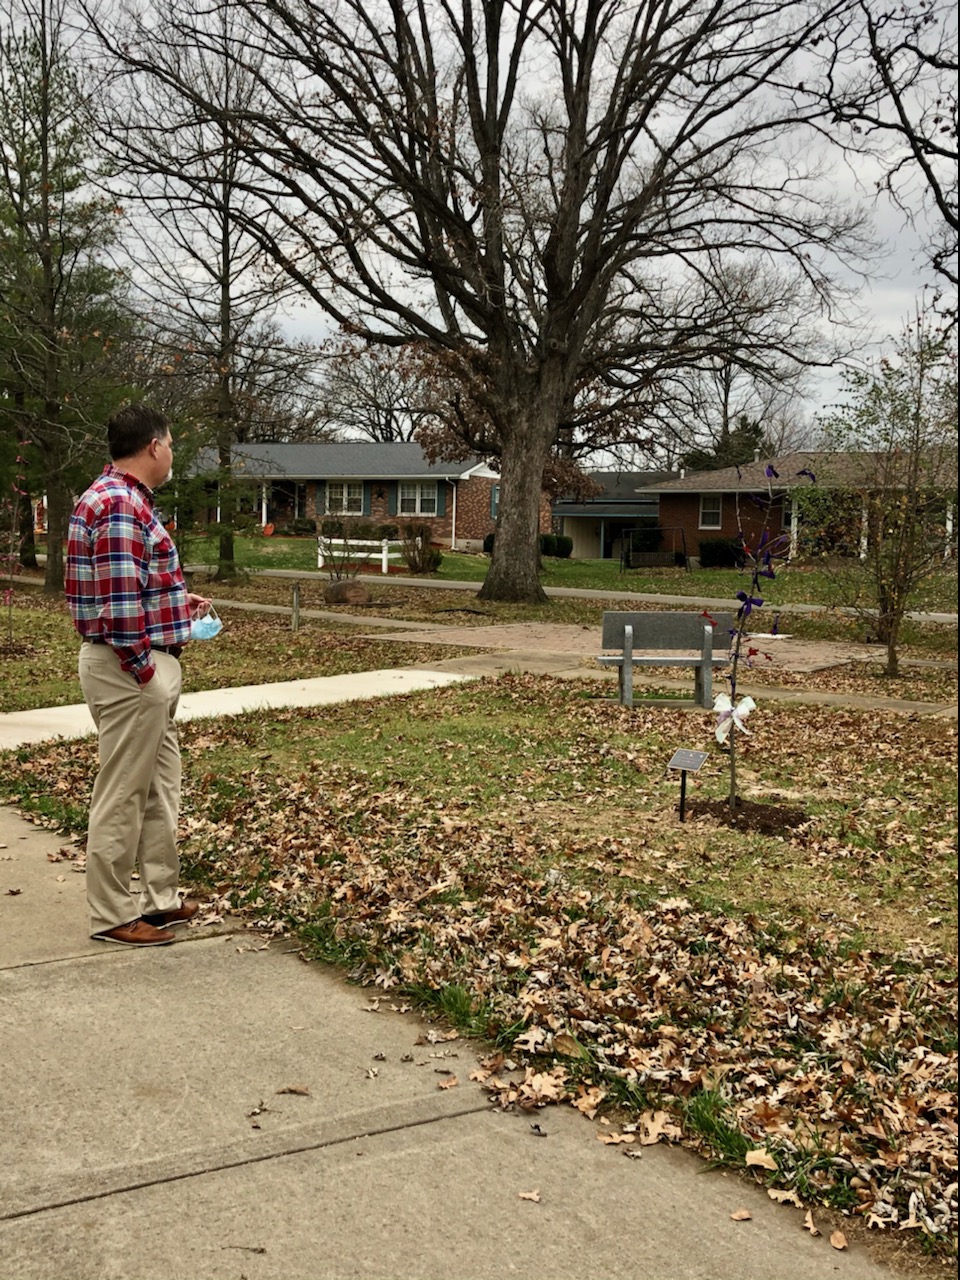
420,555
564,546
721,553
548,544
303,526
488,543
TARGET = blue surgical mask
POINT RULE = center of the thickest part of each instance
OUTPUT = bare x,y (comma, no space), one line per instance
207,627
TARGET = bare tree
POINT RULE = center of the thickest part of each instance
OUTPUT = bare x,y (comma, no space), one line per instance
889,84
375,392
210,292
534,191
894,513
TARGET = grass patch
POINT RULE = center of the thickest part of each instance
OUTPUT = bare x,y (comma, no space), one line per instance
798,584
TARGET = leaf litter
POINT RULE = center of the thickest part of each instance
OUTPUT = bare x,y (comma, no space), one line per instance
834,1059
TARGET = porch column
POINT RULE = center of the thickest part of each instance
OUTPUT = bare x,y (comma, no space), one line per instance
794,514
263,504
864,531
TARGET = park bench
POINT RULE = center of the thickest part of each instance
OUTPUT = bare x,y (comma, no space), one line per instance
628,633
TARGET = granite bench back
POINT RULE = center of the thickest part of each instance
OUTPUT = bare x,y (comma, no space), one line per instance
705,646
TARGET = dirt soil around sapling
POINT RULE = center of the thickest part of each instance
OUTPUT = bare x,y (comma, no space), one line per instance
750,816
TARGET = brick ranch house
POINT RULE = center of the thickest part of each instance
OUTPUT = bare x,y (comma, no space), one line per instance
384,483
711,504
705,505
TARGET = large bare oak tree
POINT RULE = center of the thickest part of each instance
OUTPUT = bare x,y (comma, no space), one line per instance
537,192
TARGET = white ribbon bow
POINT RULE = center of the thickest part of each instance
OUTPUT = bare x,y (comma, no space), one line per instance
731,715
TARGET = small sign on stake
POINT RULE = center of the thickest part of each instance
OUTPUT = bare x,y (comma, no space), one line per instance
686,762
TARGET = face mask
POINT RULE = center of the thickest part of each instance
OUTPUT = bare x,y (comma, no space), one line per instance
207,627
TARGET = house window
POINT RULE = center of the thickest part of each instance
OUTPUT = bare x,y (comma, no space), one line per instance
711,511
344,496
418,499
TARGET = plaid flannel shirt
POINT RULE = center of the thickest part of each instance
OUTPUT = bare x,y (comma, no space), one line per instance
123,577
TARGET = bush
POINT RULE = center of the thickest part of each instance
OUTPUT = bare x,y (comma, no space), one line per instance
303,526
488,543
564,546
721,553
548,544
420,555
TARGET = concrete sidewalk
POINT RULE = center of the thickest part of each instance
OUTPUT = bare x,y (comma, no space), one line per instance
148,1134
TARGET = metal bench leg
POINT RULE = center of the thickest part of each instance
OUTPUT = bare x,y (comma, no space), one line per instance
626,684
626,671
703,685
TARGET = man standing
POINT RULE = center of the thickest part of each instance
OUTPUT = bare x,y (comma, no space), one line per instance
131,606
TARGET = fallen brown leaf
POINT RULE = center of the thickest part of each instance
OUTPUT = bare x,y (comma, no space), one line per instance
761,1159
810,1225
741,1215
784,1197
838,1240
301,1090
530,1195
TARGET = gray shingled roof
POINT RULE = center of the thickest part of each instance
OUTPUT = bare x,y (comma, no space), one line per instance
346,460
831,469
623,492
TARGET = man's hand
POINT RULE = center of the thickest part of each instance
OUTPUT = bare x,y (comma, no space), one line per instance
199,605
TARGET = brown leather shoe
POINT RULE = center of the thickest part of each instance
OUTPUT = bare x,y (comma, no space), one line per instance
179,915
137,934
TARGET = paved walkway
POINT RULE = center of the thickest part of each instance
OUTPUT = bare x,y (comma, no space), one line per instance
220,1109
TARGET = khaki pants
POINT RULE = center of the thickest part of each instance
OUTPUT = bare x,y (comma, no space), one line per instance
136,797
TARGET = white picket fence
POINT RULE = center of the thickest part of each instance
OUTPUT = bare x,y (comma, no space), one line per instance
337,549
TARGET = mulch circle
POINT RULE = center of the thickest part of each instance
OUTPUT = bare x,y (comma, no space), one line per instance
749,815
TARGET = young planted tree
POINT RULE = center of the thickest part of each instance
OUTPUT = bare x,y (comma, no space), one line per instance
892,514
534,192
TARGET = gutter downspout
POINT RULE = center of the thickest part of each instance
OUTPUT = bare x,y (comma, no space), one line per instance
452,482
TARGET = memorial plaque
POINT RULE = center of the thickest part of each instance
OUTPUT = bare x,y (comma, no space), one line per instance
688,761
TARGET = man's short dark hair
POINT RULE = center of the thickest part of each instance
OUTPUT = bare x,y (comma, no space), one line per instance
132,428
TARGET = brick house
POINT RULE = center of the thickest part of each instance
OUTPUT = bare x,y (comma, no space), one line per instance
689,509
741,499
384,483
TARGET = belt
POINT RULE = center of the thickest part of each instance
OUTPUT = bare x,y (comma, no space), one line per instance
174,649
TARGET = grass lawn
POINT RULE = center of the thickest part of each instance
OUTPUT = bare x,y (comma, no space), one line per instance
796,584
40,668
509,854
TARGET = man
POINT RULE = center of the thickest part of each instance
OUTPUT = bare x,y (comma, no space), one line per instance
131,606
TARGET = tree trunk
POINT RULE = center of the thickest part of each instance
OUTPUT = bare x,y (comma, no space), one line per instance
514,574
27,542
59,506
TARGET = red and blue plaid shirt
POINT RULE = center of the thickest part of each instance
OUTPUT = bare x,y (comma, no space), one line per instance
123,577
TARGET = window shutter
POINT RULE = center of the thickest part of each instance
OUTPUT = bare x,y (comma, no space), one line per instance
365,506
441,497
494,500
392,498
